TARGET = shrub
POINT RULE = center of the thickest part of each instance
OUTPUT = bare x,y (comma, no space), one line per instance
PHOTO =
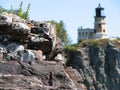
70,48
80,41
93,43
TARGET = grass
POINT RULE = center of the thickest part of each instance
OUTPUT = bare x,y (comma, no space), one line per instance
70,48
92,43
116,43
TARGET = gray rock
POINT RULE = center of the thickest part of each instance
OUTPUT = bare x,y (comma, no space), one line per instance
34,34
44,75
31,57
21,27
5,19
98,66
28,55
13,47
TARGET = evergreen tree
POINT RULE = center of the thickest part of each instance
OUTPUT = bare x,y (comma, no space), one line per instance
18,12
20,9
26,14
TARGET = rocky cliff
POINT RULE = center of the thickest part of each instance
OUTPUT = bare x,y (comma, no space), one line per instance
31,57
99,65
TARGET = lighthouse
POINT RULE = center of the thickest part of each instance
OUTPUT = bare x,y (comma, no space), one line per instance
99,31
100,23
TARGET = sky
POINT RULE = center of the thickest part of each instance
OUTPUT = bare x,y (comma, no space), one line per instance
74,13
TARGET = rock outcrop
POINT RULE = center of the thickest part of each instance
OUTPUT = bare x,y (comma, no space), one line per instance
36,76
99,66
31,58
18,35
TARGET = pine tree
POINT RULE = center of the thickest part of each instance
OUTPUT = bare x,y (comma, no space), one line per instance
20,9
26,14
18,12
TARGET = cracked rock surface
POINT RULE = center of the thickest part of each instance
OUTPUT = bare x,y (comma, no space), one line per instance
31,58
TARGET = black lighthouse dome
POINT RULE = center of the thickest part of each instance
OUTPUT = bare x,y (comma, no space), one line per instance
99,11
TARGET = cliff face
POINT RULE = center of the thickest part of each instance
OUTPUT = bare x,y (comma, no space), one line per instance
47,75
98,66
31,58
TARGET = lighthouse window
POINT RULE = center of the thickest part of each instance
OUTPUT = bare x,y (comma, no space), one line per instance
102,12
95,31
103,30
79,33
99,25
82,33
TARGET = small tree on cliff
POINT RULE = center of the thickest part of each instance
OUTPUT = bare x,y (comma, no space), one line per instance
61,32
22,14
21,10
26,14
18,12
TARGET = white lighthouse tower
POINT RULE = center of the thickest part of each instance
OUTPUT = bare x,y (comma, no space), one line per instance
100,24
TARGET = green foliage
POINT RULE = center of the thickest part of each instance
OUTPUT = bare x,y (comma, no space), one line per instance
80,41
26,14
16,12
93,43
3,10
103,42
69,53
70,48
22,14
116,43
19,12
118,38
61,32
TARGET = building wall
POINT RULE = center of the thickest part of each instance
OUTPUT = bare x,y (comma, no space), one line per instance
85,33
100,28
100,25
99,20
100,35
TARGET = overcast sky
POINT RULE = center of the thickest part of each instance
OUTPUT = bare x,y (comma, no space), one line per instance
74,13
